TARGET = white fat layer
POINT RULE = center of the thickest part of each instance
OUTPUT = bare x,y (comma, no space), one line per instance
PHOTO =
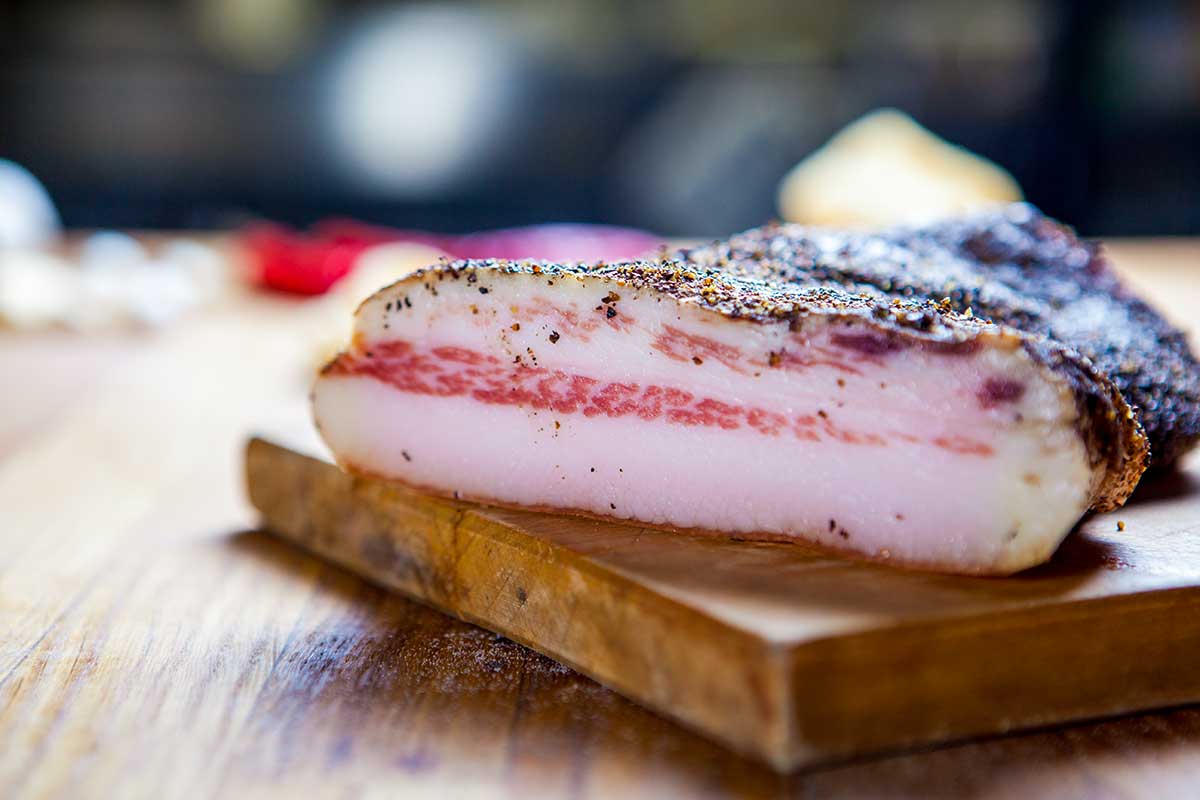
911,501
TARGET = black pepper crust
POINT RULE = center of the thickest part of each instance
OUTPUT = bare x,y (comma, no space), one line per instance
1012,273
1016,268
1086,307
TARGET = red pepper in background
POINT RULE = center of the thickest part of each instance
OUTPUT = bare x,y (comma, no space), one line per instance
292,262
312,263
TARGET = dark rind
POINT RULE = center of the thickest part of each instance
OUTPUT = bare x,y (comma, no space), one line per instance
1014,267
1012,271
1085,306
1108,426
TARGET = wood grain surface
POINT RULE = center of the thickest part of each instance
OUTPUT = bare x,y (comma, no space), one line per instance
784,652
152,644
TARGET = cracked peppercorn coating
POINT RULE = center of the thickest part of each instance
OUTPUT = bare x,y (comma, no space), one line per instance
1015,267
841,389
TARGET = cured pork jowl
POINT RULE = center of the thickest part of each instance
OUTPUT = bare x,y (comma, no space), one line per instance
952,397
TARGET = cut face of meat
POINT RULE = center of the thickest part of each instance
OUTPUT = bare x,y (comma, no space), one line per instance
1013,267
721,399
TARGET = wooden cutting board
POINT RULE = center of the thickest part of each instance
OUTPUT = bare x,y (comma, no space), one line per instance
780,651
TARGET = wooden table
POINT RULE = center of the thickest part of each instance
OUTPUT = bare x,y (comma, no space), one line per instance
152,643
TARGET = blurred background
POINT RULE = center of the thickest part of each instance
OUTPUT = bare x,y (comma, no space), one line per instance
677,117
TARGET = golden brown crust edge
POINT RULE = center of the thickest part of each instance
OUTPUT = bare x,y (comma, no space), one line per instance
1109,427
